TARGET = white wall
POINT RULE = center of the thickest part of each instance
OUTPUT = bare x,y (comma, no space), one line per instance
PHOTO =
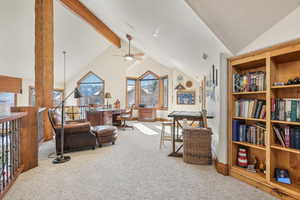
114,70
137,70
111,69
220,122
285,30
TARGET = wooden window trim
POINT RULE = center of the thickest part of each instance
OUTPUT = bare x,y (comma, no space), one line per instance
126,93
162,92
32,87
160,105
82,78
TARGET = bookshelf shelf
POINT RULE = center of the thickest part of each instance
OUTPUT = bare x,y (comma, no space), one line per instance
286,86
250,145
290,188
278,64
285,122
281,148
257,176
250,119
249,93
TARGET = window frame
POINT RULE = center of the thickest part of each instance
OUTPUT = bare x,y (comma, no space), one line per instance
126,94
82,78
15,98
31,96
162,92
138,80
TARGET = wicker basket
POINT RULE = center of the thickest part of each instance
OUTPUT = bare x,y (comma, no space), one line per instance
197,146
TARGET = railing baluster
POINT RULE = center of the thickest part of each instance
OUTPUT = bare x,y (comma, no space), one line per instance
10,151
6,151
3,155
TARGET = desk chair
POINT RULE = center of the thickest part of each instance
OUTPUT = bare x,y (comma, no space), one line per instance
126,116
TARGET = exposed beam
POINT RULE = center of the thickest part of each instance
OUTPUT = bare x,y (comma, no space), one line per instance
44,59
81,10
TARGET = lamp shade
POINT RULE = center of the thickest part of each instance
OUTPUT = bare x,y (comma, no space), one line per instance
77,93
107,95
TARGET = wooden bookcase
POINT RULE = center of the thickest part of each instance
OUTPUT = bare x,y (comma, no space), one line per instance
281,63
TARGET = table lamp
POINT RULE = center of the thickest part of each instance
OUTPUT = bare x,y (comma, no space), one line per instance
107,96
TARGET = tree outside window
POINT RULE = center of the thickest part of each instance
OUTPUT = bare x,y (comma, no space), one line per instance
131,93
149,90
8,98
91,88
57,96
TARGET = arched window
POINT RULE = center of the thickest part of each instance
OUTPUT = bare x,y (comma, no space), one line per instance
149,89
91,88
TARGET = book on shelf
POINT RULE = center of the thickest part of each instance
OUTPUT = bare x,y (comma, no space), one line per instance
253,134
249,82
287,136
250,108
285,109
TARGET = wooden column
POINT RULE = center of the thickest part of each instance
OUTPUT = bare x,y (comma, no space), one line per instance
29,137
44,58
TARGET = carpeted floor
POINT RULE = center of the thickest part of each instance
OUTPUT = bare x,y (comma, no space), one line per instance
132,169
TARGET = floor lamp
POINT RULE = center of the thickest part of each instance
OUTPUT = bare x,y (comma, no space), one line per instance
61,158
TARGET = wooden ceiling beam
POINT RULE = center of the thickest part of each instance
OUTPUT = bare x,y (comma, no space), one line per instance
81,10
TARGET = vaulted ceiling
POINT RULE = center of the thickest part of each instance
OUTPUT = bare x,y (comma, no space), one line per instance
174,33
71,34
168,31
239,22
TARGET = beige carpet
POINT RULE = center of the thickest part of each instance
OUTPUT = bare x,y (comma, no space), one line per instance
133,169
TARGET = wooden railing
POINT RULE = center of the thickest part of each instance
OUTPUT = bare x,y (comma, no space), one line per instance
10,150
40,124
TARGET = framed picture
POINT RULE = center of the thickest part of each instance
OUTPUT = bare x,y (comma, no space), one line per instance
185,97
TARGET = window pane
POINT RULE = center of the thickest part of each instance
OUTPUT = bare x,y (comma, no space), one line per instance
32,96
130,92
149,92
57,97
92,90
166,92
7,98
149,77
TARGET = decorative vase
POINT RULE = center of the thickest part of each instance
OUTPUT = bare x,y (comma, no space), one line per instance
242,158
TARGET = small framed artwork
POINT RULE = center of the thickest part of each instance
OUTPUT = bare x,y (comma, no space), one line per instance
185,97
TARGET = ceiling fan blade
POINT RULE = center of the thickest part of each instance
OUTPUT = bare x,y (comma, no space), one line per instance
138,54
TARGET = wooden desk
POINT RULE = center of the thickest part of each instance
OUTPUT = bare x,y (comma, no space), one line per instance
147,114
99,117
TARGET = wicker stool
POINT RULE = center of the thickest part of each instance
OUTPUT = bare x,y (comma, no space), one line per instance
163,135
197,146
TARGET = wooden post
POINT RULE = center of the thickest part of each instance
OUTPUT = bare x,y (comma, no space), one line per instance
44,58
29,137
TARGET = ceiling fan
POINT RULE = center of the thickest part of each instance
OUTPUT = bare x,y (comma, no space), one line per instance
129,56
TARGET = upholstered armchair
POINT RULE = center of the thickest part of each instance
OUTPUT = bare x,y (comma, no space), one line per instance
77,133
